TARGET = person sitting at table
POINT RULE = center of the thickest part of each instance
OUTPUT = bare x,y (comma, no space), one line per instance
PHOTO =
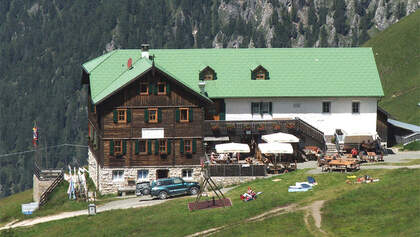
354,152
212,156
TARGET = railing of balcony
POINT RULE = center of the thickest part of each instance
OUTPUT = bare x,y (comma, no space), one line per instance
294,126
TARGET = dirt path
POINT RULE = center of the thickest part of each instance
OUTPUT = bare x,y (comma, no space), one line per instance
274,212
135,202
315,210
119,204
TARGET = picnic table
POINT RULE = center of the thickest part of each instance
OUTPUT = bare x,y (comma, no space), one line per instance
341,165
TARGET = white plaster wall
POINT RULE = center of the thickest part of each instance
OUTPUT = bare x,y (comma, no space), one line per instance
310,110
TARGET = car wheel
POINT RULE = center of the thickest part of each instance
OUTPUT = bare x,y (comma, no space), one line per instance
193,191
163,195
146,191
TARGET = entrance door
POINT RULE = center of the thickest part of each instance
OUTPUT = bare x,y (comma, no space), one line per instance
161,174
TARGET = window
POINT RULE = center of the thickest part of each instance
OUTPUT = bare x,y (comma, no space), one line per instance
255,108
161,88
261,108
184,115
118,147
187,174
260,74
153,115
142,147
188,146
178,181
355,107
163,146
144,88
326,107
142,174
117,175
208,75
265,108
296,105
122,115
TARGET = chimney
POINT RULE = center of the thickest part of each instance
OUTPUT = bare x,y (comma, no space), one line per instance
202,86
145,50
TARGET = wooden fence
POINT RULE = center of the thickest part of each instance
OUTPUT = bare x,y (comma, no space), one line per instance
237,170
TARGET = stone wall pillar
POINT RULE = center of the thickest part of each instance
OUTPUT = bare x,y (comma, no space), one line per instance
39,187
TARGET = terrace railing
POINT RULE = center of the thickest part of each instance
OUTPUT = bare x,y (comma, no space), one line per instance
410,138
294,126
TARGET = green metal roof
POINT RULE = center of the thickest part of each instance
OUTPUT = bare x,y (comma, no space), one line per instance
294,72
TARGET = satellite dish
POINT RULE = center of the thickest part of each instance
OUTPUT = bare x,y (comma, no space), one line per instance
130,63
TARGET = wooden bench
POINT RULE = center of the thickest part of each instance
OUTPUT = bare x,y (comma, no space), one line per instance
124,190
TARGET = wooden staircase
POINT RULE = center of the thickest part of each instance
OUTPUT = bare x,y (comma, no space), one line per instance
47,175
44,197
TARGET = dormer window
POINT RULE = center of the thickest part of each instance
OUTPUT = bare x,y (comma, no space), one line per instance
260,73
207,74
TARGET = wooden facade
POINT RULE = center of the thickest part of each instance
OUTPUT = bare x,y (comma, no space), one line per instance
153,100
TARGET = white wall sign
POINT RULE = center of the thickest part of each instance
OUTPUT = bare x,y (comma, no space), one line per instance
152,133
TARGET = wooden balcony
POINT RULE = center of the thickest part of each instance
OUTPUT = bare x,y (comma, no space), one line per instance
295,126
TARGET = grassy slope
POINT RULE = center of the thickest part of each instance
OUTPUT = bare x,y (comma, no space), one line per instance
414,146
390,209
397,54
284,225
10,207
173,218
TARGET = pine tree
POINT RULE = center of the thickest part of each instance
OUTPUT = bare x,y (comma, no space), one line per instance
323,41
340,17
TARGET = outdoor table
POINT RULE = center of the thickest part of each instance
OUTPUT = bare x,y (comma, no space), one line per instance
342,164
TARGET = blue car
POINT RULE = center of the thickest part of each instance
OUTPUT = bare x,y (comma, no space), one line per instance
163,188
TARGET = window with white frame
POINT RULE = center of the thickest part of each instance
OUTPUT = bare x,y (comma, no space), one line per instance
187,173
261,108
117,175
142,174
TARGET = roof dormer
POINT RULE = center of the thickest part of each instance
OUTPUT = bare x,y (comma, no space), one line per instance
260,73
207,74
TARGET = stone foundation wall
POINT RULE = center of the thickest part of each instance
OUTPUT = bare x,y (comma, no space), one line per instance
108,185
233,180
93,167
39,187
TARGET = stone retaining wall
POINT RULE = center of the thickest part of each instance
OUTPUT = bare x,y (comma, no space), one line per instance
233,180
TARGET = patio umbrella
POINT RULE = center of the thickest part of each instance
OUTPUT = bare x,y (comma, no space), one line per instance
232,147
280,137
276,148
